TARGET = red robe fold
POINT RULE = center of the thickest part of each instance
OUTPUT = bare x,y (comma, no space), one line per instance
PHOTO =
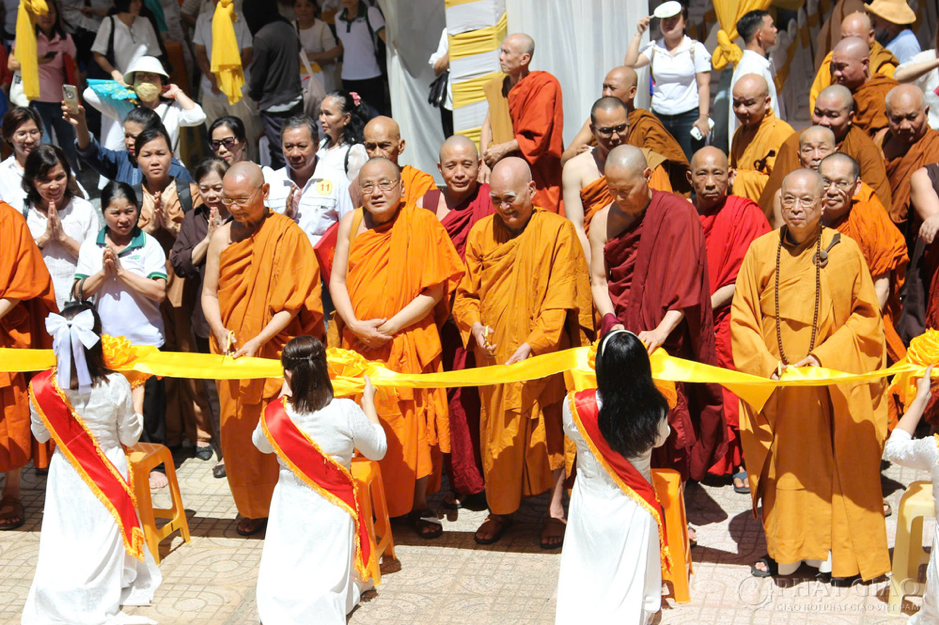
728,231
661,264
461,218
538,122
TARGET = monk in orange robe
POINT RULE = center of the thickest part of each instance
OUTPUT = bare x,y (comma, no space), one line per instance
834,109
394,265
882,60
525,293
537,113
26,298
815,143
730,224
261,289
383,138
813,453
851,67
649,275
830,32
758,139
909,145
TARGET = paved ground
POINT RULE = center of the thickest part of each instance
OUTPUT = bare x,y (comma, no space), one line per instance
452,580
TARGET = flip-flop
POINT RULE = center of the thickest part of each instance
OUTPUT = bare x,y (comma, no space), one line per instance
745,489
552,522
427,518
261,524
502,524
16,506
772,569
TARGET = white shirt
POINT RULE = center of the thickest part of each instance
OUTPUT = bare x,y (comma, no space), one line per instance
128,40
123,311
335,158
11,184
752,63
79,221
928,82
358,49
75,19
323,200
442,48
202,36
904,46
676,86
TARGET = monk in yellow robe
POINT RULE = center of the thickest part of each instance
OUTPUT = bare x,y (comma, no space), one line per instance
525,293
851,67
394,265
758,139
882,60
813,453
383,138
261,289
834,109
26,298
830,32
815,143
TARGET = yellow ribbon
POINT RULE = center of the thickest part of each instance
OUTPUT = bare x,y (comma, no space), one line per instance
26,53
226,59
726,51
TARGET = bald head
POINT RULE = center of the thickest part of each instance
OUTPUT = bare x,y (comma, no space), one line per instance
709,176
814,134
907,114
512,192
859,25
458,144
383,138
834,108
382,190
513,170
850,63
627,159
627,179
751,99
246,171
244,183
621,82
751,85
606,104
802,179
853,48
815,143
380,165
515,54
459,165
384,126
905,96
521,42
801,204
709,155
837,96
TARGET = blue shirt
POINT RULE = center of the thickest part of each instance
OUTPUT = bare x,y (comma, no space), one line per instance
904,46
116,165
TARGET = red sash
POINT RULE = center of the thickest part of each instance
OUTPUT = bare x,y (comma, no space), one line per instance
320,472
585,412
82,451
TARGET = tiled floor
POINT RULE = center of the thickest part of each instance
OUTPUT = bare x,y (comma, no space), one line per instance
452,580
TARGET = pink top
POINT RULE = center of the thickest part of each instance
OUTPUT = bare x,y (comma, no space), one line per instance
52,74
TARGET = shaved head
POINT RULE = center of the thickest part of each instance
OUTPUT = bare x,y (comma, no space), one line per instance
627,179
803,178
607,105
248,171
853,48
834,109
627,159
382,204
709,154
837,95
244,183
801,204
857,24
459,166
621,82
907,114
383,138
511,169
750,99
512,192
521,42
380,164
384,126
840,179
752,85
815,143
907,95
817,133
850,62
709,176
459,144
609,123
515,54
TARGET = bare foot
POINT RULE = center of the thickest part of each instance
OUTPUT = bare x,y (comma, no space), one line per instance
158,480
552,533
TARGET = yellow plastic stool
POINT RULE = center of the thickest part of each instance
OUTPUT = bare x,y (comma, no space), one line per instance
375,511
142,458
908,553
671,492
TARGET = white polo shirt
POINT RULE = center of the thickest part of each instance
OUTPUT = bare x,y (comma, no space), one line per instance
202,36
676,86
123,311
358,49
127,40
324,199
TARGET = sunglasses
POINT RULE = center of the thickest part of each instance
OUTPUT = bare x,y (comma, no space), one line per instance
228,142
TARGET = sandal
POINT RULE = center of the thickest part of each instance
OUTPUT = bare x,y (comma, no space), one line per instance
456,501
501,523
745,489
249,527
11,508
425,523
553,529
772,569
888,509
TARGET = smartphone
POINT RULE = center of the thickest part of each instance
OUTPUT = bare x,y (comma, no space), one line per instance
50,55
70,95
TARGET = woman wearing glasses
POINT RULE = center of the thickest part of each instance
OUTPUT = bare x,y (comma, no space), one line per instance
22,131
228,140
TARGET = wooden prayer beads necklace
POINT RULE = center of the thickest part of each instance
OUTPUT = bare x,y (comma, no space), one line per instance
820,260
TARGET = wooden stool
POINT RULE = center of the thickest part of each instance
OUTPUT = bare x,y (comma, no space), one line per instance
375,511
671,492
142,458
908,554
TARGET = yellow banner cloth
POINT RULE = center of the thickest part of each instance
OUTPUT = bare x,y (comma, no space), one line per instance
226,59
25,51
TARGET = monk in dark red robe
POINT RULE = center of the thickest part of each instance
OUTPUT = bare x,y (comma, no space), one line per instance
649,275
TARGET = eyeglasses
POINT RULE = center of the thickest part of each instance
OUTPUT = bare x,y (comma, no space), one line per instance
844,185
20,135
228,142
608,132
384,186
240,201
790,201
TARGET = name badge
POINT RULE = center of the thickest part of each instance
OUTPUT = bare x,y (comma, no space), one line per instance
324,187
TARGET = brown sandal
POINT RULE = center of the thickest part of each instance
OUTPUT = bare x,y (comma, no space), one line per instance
501,523
425,523
11,508
553,529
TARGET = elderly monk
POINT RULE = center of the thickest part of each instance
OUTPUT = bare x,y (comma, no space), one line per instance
730,224
882,60
649,275
815,143
394,266
834,109
26,299
459,206
525,293
537,116
757,140
851,67
383,138
261,289
909,145
850,207
813,452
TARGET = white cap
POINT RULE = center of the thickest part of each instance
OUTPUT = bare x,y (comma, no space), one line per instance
148,64
666,9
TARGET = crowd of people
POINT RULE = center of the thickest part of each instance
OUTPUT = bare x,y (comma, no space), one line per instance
303,230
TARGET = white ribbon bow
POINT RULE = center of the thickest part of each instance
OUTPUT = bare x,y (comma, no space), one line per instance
68,337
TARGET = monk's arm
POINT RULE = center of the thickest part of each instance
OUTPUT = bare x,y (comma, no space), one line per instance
580,144
654,338
722,296
925,202
882,288
598,269
6,305
466,301
210,305
908,72
275,326
417,309
573,205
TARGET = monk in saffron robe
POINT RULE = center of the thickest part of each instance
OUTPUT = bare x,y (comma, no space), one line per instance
815,143
813,453
909,145
757,140
850,67
525,293
26,299
459,206
537,112
394,265
383,138
834,109
830,32
649,275
730,224
882,60
261,289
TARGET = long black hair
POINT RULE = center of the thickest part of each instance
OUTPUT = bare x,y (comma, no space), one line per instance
310,386
94,355
633,408
354,131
